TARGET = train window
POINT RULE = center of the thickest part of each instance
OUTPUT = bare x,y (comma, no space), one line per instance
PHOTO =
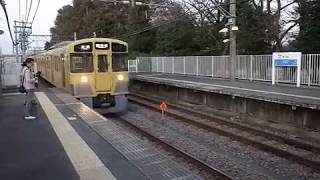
81,63
43,62
116,47
102,63
48,63
119,62
56,61
60,63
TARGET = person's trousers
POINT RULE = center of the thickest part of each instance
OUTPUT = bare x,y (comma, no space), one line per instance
29,104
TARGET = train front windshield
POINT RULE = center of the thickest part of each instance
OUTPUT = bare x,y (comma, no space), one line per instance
81,63
119,62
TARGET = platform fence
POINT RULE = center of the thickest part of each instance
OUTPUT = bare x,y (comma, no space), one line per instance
9,71
248,67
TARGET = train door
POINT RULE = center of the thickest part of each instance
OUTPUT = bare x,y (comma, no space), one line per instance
103,73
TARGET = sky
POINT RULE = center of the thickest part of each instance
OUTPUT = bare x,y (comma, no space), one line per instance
44,19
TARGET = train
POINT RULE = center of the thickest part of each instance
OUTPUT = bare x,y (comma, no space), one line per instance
93,68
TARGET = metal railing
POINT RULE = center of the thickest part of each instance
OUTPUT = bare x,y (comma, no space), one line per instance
258,67
10,71
248,67
310,69
132,66
215,66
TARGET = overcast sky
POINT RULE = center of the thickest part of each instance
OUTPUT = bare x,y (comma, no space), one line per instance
43,22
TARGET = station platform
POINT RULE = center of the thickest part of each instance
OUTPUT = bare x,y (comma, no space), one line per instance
69,140
281,104
308,97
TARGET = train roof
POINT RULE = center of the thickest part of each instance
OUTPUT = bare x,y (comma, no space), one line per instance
72,43
68,44
61,44
97,40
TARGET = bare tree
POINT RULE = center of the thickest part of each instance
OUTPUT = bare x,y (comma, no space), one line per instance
280,17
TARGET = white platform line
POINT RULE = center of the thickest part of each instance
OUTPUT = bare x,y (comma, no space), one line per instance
84,160
231,87
68,104
12,94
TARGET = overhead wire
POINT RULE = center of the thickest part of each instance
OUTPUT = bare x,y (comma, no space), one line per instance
30,7
145,29
35,14
7,18
19,10
25,16
152,27
216,6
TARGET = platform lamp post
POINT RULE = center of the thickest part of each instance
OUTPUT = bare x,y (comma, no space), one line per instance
1,75
1,32
232,28
233,40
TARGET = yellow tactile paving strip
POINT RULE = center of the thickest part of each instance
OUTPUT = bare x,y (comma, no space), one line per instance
84,160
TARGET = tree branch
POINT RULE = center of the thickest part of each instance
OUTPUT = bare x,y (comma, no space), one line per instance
287,5
286,32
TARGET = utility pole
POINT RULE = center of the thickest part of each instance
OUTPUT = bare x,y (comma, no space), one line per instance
133,3
233,40
22,31
1,62
132,14
16,45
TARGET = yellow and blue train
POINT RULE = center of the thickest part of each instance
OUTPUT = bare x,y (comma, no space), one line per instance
88,68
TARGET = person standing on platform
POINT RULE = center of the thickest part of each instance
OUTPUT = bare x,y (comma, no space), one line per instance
23,69
29,84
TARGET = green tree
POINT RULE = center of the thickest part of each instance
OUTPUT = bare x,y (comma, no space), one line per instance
308,40
253,26
176,34
139,35
64,25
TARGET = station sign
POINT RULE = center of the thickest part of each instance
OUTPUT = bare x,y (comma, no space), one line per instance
286,59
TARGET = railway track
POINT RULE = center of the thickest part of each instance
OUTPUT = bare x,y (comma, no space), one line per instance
186,156
297,151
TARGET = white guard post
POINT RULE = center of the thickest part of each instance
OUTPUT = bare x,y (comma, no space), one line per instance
286,59
137,62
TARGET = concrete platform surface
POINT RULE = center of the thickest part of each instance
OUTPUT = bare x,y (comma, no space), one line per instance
308,97
30,149
52,147
69,140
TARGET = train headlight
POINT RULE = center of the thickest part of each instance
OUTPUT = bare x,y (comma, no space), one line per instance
84,79
120,77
